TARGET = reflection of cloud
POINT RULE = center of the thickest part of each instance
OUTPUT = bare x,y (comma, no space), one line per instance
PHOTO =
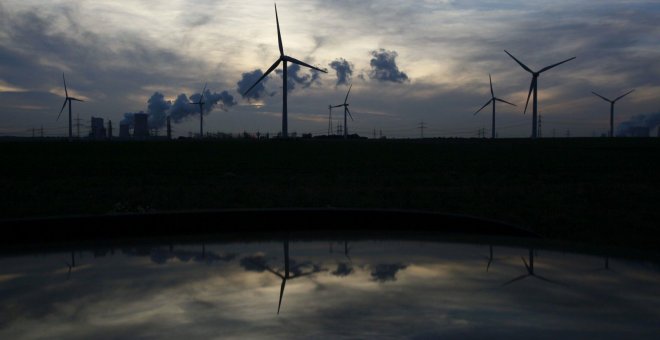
161,256
386,272
254,263
343,269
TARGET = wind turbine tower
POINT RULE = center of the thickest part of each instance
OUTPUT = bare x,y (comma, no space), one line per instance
533,87
612,108
284,59
346,110
492,100
68,99
200,102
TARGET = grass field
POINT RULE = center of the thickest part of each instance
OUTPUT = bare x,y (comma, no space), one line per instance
595,190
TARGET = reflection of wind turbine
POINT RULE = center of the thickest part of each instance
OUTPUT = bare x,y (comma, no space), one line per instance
345,105
200,102
493,99
68,99
612,108
490,257
286,275
530,271
534,87
282,59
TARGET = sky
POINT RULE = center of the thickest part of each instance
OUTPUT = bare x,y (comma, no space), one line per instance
408,62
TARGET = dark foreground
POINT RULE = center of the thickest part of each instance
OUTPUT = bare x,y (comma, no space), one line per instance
586,190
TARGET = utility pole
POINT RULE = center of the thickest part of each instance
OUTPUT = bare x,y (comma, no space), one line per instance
421,128
381,133
109,129
42,131
540,134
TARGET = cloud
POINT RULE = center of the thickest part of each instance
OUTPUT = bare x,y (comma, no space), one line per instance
384,68
247,80
343,269
254,263
386,272
344,71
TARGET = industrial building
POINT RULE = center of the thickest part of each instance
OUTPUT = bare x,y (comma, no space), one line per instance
140,126
98,129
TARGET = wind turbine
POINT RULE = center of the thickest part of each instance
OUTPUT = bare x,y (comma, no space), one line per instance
612,108
68,99
530,271
200,102
345,105
284,59
493,99
287,275
534,87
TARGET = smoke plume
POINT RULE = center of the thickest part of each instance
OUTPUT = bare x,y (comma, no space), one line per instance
650,121
249,78
344,71
295,78
384,68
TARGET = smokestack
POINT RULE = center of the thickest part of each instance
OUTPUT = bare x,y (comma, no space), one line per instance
109,129
169,128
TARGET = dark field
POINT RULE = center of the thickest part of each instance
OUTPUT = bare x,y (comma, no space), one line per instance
587,190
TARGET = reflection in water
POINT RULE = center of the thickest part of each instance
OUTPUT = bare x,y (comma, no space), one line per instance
530,270
399,289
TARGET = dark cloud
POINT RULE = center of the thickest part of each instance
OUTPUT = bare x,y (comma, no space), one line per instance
344,71
247,80
295,78
254,263
386,272
384,68
343,269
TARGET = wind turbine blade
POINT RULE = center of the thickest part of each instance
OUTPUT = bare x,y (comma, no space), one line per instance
504,101
340,105
63,105
264,75
273,271
557,64
483,107
491,85
65,90
621,96
281,295
279,36
76,99
347,93
519,62
204,89
531,88
605,99
296,61
514,280
349,113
